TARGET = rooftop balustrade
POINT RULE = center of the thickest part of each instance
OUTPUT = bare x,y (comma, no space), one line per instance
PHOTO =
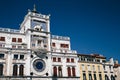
60,37
64,51
9,30
39,15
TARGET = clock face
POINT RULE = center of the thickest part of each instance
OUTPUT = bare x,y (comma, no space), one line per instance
39,65
42,24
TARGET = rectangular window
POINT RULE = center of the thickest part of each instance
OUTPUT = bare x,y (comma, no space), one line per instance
2,38
13,46
72,60
98,68
1,45
19,47
33,45
59,59
39,41
15,56
103,61
13,39
83,67
82,58
64,45
53,44
54,59
98,60
68,60
21,56
89,67
93,68
19,39
1,56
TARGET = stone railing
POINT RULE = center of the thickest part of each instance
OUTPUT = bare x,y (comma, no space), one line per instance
64,51
60,37
9,30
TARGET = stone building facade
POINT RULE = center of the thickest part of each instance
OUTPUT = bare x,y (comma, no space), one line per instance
33,53
108,69
95,67
91,67
116,70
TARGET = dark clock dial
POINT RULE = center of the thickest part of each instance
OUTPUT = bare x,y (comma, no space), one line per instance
39,65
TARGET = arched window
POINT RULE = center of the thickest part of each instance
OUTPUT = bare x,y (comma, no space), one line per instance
69,71
95,78
84,76
106,77
54,71
1,69
21,70
68,60
60,71
112,77
100,77
90,77
73,71
15,67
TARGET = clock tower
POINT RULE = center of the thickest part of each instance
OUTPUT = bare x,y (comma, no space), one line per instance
36,28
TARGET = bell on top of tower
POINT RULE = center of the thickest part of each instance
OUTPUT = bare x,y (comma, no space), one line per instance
34,9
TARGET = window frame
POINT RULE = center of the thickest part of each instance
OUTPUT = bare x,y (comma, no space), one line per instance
72,60
19,40
59,59
2,55
2,38
14,40
1,69
54,59
68,60
21,70
16,56
15,69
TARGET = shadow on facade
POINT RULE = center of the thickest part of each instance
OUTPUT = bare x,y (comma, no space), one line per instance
54,78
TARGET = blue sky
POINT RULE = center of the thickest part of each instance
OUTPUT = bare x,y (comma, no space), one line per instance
92,25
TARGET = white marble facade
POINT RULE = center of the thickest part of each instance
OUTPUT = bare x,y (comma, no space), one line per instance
34,53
